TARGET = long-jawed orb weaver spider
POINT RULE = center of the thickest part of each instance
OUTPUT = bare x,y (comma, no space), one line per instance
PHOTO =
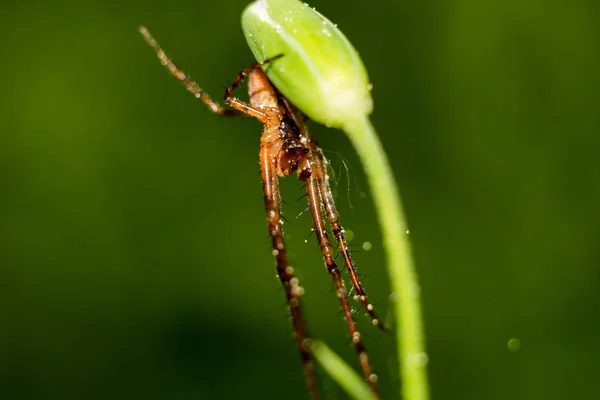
287,147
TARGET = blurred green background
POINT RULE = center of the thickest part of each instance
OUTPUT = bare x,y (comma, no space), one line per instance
133,248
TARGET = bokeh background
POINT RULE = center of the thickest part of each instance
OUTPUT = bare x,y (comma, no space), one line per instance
134,260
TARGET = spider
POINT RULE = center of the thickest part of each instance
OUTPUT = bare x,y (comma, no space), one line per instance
286,148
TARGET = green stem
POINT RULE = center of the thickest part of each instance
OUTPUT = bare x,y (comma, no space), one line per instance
405,287
345,376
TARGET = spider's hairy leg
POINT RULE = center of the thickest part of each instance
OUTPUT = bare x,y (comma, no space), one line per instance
314,202
319,173
263,100
321,177
189,84
285,271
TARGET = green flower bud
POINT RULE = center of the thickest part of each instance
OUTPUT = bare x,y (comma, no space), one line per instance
320,71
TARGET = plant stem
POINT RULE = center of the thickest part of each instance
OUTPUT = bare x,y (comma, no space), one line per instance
412,358
345,376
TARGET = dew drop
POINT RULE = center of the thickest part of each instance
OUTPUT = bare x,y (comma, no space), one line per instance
415,290
419,359
514,344
349,234
422,358
367,246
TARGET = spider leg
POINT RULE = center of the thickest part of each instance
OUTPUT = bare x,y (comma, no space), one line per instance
319,173
314,202
285,271
321,177
259,88
189,84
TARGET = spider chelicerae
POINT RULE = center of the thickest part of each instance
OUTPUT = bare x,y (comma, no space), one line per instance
288,147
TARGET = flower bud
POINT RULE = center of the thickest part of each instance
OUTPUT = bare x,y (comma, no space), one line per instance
320,71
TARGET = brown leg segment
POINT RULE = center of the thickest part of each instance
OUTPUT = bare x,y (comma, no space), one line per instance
190,85
292,287
314,202
261,92
240,107
320,175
